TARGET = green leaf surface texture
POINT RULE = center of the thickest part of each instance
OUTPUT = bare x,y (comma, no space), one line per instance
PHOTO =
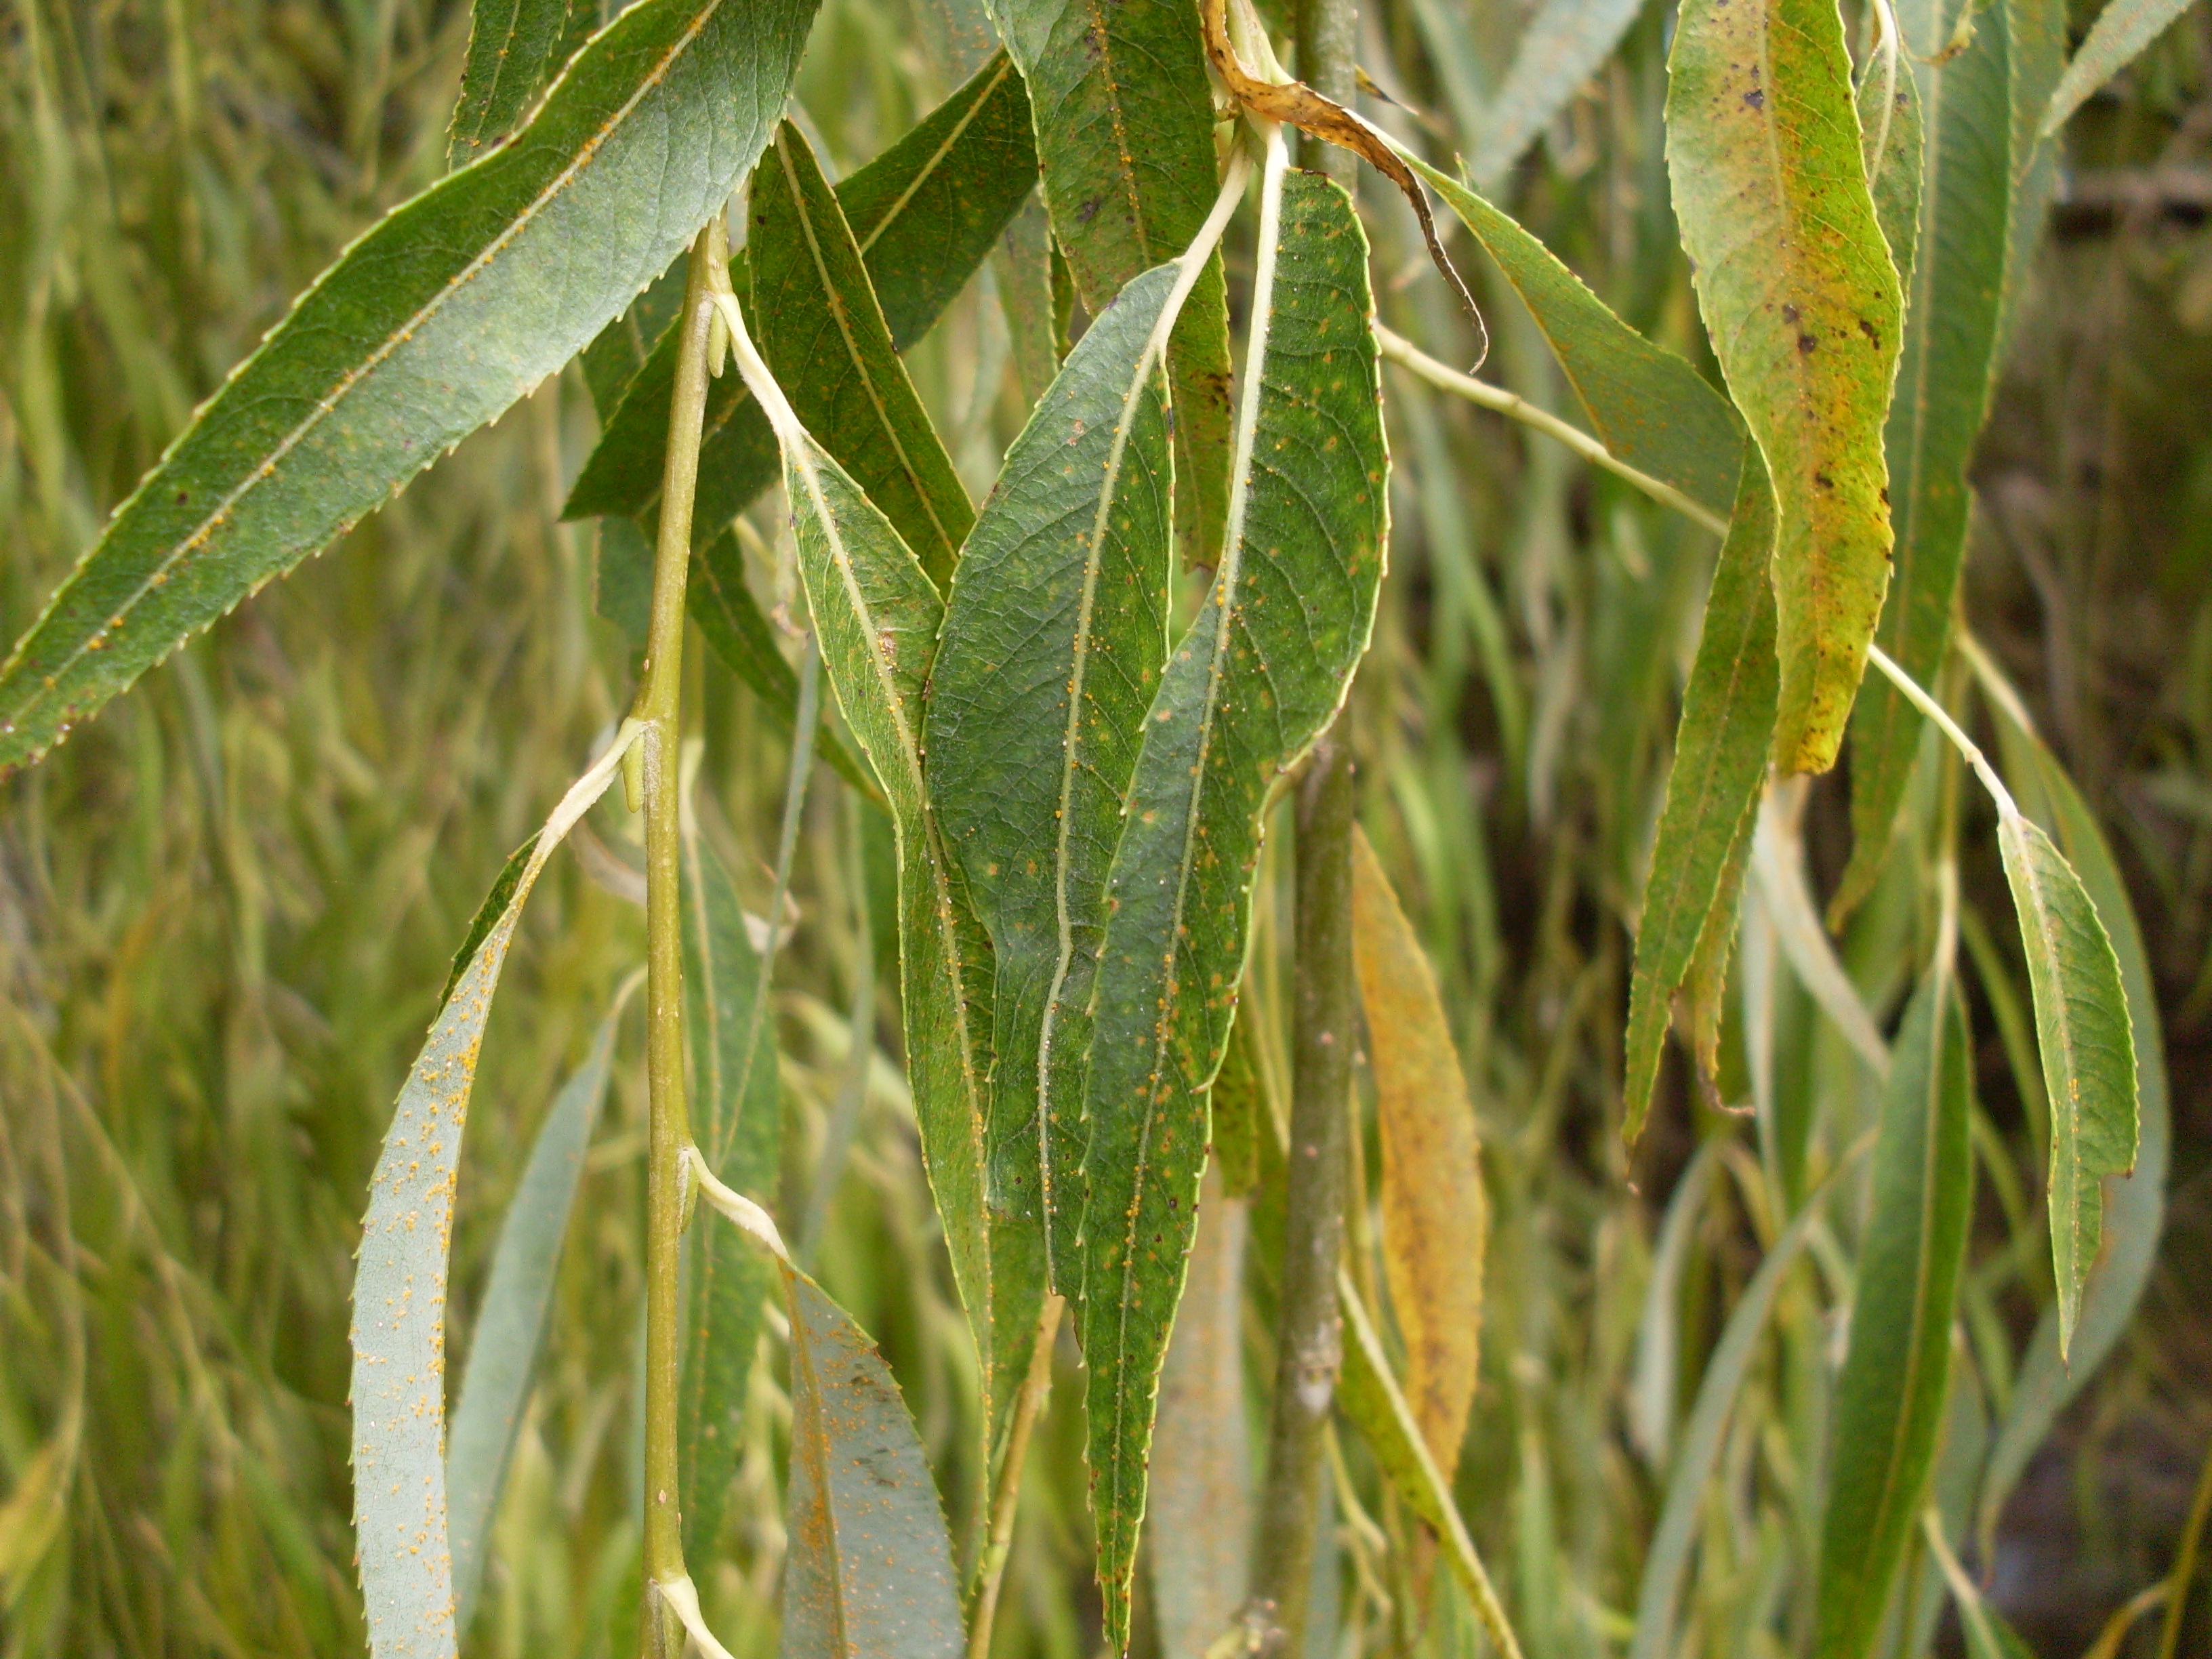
2037,32
2081,1027
1890,1399
2135,1209
736,1116
1259,675
1054,634
1125,133
619,350
433,323
1943,384
1647,404
1720,764
876,616
513,44
818,326
1893,133
2123,30
868,1572
488,915
399,1329
925,212
510,1325
1562,45
1802,303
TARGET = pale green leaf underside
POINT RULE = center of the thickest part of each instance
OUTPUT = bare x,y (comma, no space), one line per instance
1563,45
1802,304
1054,637
510,1325
2122,31
1259,675
2081,1027
435,321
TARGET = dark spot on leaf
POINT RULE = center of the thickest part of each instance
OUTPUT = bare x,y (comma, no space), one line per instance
1756,98
183,496
1790,312
1824,481
1871,332
1806,343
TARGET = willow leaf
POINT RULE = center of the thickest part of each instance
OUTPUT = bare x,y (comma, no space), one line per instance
869,1571
2135,1213
1262,673
398,1332
1054,634
1435,1213
1943,384
2081,1026
1802,304
2122,32
510,1326
876,618
1893,133
1125,133
1720,762
431,325
925,212
737,1116
513,44
1563,45
1650,408
1890,1398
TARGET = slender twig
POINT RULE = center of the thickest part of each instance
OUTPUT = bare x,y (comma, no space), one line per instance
1403,352
1310,1337
658,715
1918,696
2185,1563
1006,1500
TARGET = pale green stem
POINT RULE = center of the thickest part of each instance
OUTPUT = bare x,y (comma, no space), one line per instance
658,714
1403,352
1917,695
1005,1503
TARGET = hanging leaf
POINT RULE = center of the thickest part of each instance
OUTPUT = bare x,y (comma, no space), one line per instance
868,1572
1563,45
398,1333
1943,384
1435,1213
1892,140
431,325
513,46
925,212
2081,1026
1648,405
1890,1399
1802,305
1259,675
1054,637
510,1326
2036,33
2122,32
735,1107
818,324
1125,131
1201,1512
1712,788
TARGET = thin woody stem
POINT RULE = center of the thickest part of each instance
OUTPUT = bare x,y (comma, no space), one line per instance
1006,1500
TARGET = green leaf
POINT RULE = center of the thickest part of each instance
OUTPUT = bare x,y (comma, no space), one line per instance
1054,634
1563,45
868,1574
2037,31
818,326
1890,1399
1649,406
398,1333
2081,1026
2048,1378
2123,30
876,617
1125,133
1893,137
510,1326
737,1119
1712,788
1802,304
488,913
513,44
431,325
1239,1114
925,212
1259,675
1943,384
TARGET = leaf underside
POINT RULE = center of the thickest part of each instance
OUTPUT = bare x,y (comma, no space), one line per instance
1560,48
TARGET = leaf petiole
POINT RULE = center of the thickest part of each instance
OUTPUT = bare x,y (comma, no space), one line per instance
1918,696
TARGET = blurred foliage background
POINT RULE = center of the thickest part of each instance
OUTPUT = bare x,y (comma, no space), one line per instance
227,907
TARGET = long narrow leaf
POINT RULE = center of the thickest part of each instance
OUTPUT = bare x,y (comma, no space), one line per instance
1802,304
1259,675
510,1326
1561,47
398,1333
513,44
430,325
2122,31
